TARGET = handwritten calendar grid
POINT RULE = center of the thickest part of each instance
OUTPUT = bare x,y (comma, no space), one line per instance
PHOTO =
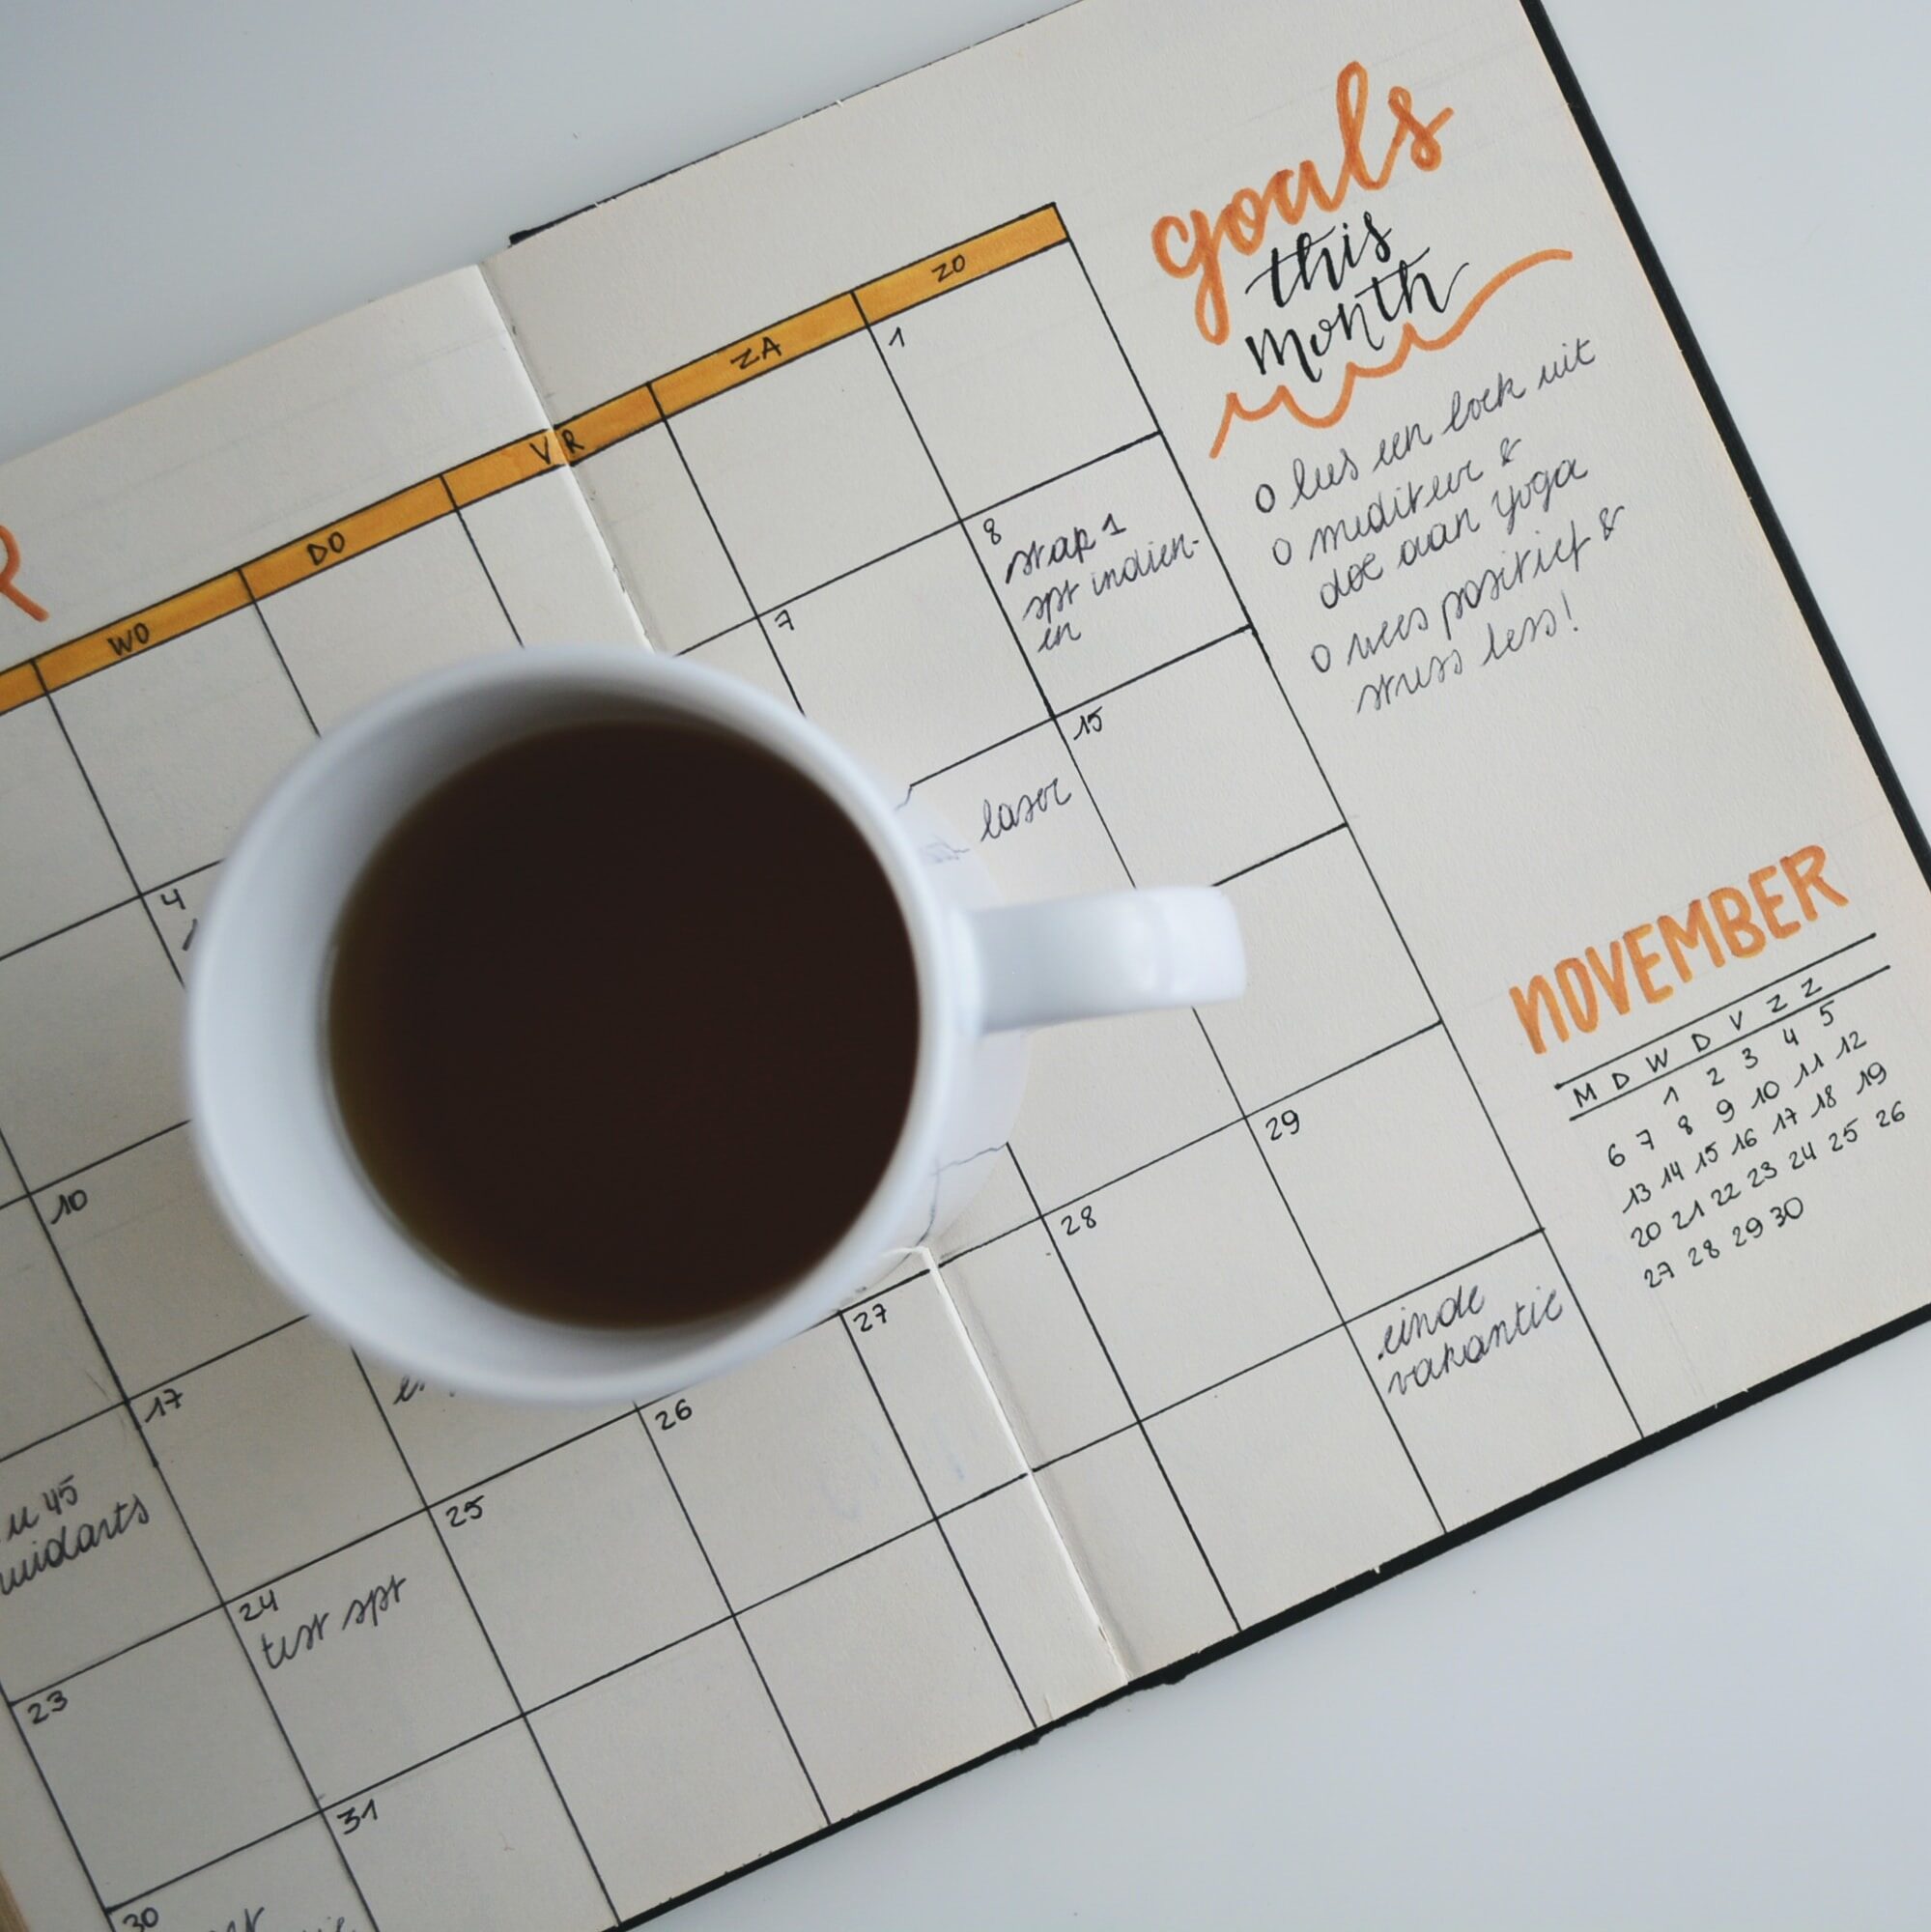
1038,758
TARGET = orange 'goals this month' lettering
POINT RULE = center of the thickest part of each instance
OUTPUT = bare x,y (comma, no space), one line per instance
1190,246
1777,901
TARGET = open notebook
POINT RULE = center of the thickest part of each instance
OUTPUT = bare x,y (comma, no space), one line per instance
1179,445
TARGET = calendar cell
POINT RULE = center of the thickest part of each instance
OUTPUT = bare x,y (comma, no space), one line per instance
66,870
180,743
664,544
908,662
166,1757
1038,1347
1192,1270
549,565
1001,1205
1023,810
930,1378
1143,1569
1293,1477
474,1841
1494,1381
885,1671
677,1768
295,1878
291,1414
580,1562
176,910
1328,979
372,1659
453,1441
418,601
1409,1113
1033,1601
1013,378
1107,1097
787,1466
125,1230
746,652
812,469
50,1372
1105,574
95,1556
90,1058
1200,768
45,1875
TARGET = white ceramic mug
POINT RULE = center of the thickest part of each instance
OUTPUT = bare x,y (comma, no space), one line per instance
287,1178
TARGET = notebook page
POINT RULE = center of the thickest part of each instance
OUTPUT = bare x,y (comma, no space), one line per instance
1217,448
1269,1298
209,581
283,1631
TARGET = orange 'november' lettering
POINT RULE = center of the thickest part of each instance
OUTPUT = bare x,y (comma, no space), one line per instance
1804,869
1767,904
1646,961
1742,934
1616,983
1578,994
1726,918
1530,1007
1695,930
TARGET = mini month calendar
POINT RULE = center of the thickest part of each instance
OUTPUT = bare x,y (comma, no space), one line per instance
1212,445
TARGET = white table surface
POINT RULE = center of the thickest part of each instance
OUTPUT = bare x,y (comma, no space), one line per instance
1695,1693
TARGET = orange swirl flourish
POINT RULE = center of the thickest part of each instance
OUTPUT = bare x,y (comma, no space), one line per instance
1411,339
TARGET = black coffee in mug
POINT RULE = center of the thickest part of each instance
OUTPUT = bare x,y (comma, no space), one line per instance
623,1022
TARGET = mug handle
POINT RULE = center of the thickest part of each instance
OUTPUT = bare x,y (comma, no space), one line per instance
1111,953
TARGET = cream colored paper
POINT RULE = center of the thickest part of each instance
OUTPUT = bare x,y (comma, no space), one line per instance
1576,1090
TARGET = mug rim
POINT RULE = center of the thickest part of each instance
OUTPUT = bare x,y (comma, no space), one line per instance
637,1363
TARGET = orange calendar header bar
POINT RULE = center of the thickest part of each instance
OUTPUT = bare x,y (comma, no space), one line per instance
757,354
186,611
997,248
19,686
530,456
337,543
609,422
499,468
